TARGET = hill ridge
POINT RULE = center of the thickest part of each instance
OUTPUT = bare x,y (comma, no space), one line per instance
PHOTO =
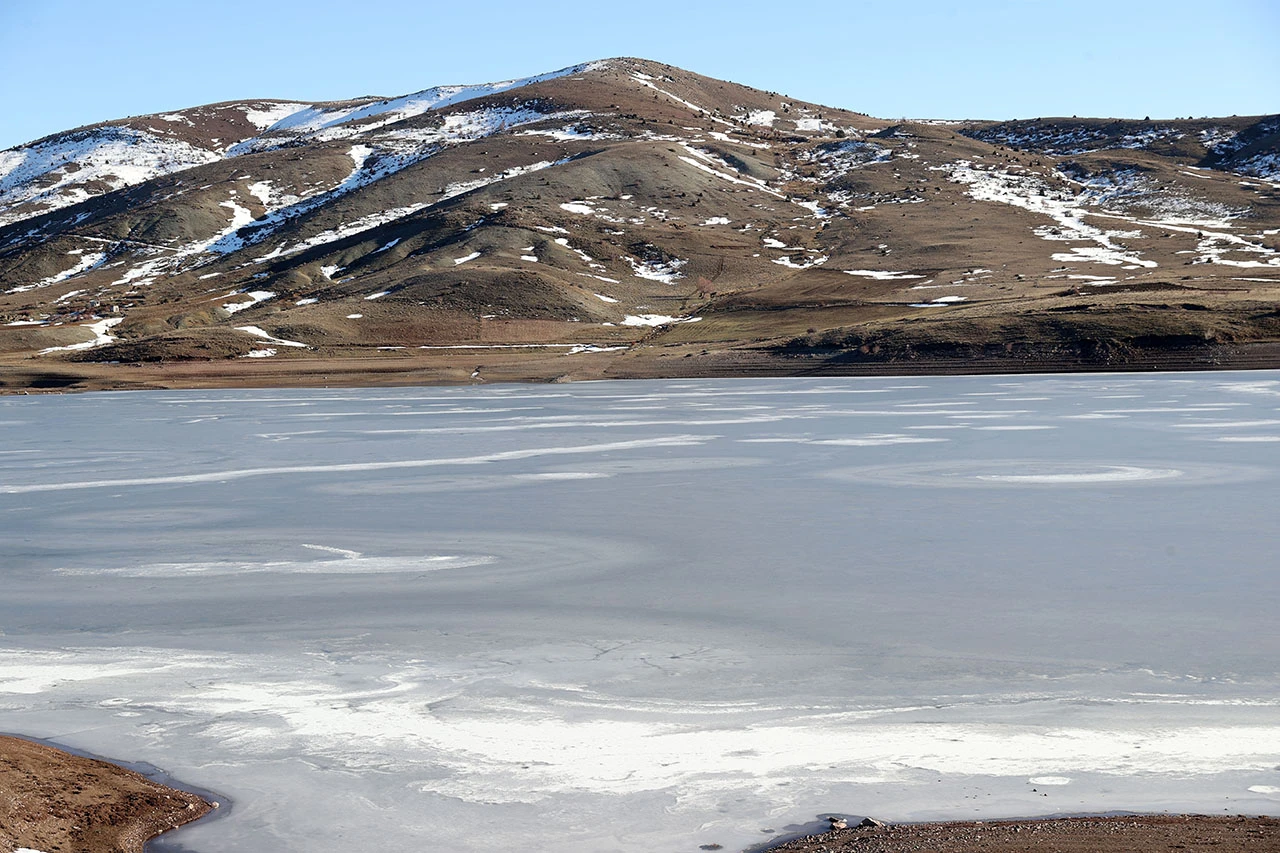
634,212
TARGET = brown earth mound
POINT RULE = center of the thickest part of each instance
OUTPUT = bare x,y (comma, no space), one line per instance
56,802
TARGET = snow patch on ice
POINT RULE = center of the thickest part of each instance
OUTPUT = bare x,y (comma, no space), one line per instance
1107,474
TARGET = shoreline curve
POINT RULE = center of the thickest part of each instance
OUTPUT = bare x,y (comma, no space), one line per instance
57,798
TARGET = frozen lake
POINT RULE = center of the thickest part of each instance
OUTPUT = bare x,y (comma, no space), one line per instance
647,616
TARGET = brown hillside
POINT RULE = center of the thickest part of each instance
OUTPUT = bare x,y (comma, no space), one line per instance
631,219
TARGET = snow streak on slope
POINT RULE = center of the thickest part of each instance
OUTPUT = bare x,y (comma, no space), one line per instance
840,159
364,223
268,114
1056,139
53,174
666,272
1262,166
86,262
101,337
381,155
1031,193
320,124
1127,188
717,166
82,165
647,81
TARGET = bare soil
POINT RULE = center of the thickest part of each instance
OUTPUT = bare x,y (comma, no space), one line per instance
57,802
19,375
1128,834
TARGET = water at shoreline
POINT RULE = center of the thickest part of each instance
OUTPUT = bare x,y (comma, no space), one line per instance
644,616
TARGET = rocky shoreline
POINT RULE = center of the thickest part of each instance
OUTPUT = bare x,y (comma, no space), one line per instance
1112,834
57,802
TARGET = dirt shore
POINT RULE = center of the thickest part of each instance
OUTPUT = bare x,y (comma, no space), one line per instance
56,802
1127,834
32,375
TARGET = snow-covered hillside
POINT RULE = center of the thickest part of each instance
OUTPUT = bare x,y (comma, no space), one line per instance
70,168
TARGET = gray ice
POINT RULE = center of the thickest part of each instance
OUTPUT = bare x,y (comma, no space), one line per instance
645,616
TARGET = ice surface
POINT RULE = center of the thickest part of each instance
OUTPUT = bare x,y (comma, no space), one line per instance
646,616
1108,474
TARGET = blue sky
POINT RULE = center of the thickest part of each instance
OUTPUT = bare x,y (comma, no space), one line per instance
65,63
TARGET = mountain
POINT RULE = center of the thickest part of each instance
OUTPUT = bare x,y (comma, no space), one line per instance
627,218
